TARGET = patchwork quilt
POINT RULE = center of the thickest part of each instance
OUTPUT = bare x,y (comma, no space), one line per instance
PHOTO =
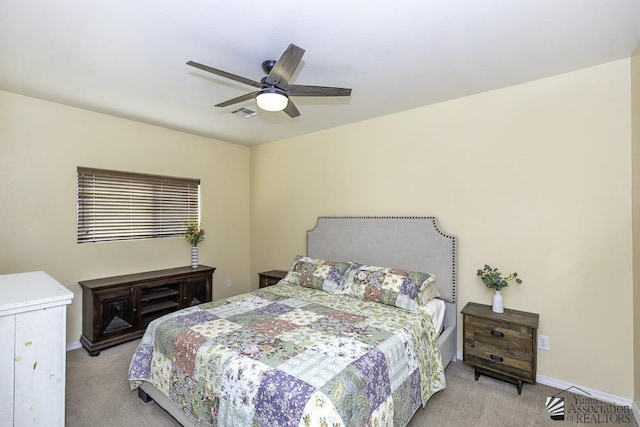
292,356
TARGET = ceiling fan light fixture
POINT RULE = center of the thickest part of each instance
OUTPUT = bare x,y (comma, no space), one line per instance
272,99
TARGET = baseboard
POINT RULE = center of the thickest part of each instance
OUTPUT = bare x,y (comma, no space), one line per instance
586,391
74,346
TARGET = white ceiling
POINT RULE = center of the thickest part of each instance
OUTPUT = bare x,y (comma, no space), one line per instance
128,58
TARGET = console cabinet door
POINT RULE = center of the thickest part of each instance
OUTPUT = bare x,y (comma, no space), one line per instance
115,312
195,290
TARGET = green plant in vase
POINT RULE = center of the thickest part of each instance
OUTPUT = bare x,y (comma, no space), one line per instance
194,235
494,279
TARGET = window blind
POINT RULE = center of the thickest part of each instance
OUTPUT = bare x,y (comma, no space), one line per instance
115,205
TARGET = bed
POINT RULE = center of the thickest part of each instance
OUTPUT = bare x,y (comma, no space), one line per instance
318,348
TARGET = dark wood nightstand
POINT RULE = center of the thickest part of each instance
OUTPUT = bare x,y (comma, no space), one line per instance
502,346
271,277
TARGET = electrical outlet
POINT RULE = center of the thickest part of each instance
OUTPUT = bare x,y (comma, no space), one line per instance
228,283
544,343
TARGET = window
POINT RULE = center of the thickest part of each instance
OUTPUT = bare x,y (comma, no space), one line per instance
116,205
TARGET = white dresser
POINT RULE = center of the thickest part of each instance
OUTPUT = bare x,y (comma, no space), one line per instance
33,325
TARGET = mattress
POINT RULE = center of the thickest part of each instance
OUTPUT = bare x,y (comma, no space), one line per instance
435,309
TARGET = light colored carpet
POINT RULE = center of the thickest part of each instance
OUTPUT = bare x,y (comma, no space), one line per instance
98,395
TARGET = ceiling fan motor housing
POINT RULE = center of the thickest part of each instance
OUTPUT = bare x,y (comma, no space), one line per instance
267,66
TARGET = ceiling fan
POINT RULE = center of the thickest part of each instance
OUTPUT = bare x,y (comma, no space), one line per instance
274,89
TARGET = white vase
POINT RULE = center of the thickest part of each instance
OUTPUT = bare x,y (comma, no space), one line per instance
498,302
194,257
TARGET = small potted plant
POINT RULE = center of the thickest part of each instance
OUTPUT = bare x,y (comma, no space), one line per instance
194,235
493,279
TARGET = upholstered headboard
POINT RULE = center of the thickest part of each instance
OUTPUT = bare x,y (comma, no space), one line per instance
410,243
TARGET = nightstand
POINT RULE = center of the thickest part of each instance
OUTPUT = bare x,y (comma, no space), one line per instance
271,277
501,345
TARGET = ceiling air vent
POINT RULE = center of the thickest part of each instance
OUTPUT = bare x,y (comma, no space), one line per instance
245,113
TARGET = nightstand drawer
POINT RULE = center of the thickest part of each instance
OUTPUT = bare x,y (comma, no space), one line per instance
268,281
516,363
270,278
507,336
501,368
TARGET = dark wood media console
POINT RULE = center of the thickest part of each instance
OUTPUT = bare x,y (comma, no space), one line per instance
118,309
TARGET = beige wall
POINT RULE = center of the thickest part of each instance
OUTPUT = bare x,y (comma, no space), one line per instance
635,109
41,143
534,178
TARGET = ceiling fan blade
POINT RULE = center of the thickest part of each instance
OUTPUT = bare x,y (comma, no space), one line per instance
245,97
285,66
225,74
291,109
305,90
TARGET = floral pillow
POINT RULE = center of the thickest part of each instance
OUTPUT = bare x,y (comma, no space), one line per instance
390,286
317,273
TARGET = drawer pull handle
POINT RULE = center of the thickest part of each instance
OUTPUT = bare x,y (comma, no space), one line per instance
497,334
496,358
